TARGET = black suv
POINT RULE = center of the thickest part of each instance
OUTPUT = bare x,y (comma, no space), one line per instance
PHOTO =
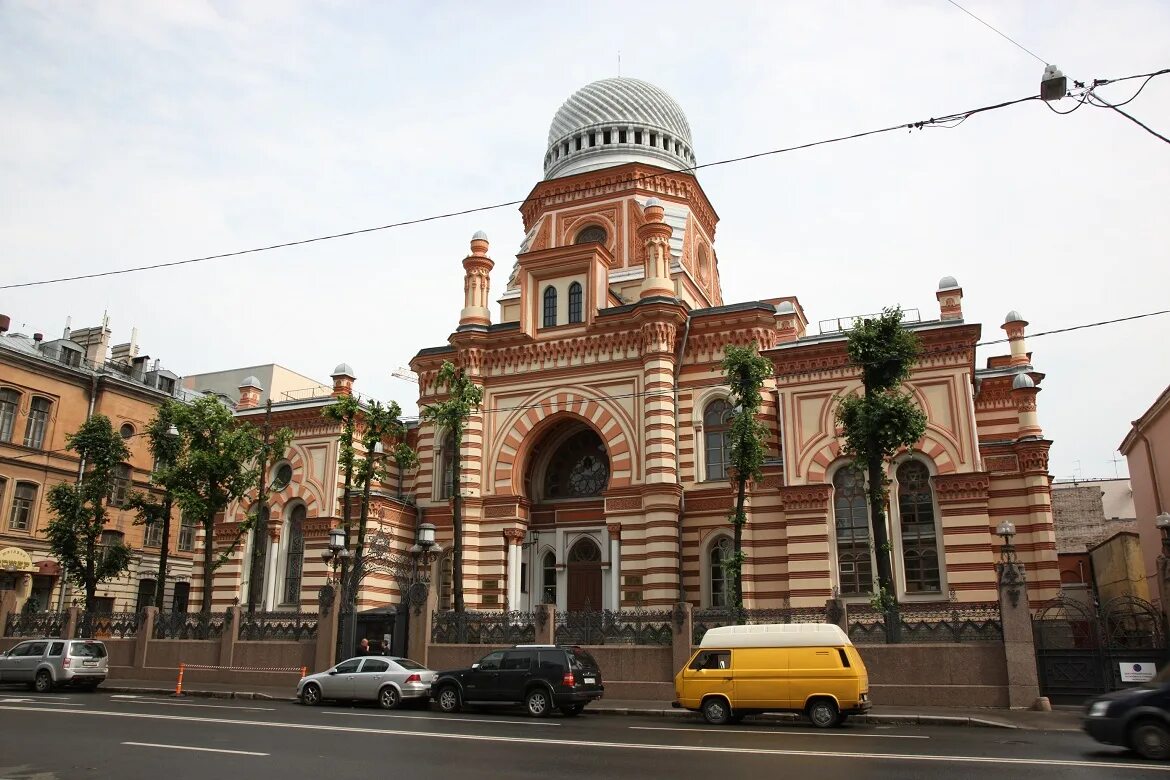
541,677
1137,718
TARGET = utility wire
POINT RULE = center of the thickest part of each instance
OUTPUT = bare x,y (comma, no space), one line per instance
1003,35
962,115
1100,103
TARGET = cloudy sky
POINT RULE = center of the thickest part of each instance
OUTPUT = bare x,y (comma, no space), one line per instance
143,132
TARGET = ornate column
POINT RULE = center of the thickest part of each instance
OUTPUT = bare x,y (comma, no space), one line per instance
513,538
615,565
270,570
655,237
1024,392
476,268
1014,325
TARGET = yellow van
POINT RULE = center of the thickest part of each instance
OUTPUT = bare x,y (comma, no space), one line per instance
811,668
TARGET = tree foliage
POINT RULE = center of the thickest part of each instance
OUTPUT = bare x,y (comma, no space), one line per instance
451,414
79,511
155,508
880,422
746,371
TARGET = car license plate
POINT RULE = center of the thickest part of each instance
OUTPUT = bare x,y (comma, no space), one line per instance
89,663
589,680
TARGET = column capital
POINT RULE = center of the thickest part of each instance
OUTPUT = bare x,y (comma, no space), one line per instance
514,536
615,530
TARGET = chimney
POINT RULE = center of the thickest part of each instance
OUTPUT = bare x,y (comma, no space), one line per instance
68,327
5,323
38,337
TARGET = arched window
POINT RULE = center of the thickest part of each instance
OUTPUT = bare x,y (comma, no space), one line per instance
585,550
591,234
575,302
123,480
38,420
446,465
721,551
919,535
145,595
281,476
851,514
550,306
9,402
294,556
23,500
704,265
716,431
446,581
579,468
548,579
181,596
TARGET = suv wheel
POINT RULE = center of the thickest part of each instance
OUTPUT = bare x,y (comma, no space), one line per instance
1150,739
538,702
43,682
716,711
448,699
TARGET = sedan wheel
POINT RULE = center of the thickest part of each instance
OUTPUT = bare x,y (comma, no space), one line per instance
537,702
43,682
311,694
1151,740
389,698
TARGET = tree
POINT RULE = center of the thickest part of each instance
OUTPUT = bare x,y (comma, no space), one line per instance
80,512
877,424
746,370
272,449
166,445
451,414
219,465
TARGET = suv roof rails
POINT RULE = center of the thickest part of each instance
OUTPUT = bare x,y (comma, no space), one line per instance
534,645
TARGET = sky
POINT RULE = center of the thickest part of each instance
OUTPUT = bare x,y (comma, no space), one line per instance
139,133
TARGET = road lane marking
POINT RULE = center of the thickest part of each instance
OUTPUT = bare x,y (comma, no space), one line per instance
192,747
574,743
186,704
783,733
444,720
38,701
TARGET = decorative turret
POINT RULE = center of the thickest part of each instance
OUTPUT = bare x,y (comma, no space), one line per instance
655,237
1024,393
950,299
250,391
1014,325
343,379
789,323
476,270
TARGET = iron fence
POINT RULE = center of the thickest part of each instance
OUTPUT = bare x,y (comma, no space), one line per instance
615,627
190,625
37,624
483,628
280,626
702,620
920,623
120,625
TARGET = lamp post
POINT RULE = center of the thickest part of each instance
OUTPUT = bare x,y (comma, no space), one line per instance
1009,570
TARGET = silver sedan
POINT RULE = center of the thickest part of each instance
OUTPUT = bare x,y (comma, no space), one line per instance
381,678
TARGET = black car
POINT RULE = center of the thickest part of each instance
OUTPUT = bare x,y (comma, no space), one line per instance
1137,718
541,677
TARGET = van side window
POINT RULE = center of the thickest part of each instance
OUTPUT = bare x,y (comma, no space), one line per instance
844,658
712,659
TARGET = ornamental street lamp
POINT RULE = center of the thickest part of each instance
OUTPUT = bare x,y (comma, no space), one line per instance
1009,569
1162,523
336,553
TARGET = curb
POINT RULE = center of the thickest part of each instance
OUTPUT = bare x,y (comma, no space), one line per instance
197,694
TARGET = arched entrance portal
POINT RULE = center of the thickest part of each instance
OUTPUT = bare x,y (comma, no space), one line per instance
584,566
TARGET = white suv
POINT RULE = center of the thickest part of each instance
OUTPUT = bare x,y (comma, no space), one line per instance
45,663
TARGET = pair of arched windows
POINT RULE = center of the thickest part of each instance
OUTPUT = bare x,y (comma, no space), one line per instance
917,537
550,305
36,423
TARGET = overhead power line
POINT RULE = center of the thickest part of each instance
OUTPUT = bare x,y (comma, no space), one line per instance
999,32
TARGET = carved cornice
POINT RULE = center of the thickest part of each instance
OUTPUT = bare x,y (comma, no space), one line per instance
971,486
1002,464
1034,456
317,527
805,498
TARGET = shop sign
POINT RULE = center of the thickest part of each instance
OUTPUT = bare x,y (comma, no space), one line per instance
15,559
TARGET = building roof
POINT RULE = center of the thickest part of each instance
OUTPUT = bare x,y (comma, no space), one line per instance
1160,405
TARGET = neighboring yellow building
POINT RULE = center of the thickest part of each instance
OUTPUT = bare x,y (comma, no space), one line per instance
47,390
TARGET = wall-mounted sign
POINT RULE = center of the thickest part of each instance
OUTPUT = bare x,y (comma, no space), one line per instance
1143,671
15,559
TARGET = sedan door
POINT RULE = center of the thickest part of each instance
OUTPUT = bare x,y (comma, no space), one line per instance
481,682
339,684
370,678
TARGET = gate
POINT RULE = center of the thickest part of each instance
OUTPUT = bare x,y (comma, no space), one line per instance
1080,648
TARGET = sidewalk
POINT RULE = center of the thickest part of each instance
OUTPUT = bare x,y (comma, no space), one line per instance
1060,719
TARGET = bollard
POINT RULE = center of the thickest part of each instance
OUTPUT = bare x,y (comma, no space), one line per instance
304,671
179,682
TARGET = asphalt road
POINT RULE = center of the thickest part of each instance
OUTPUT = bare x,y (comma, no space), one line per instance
99,735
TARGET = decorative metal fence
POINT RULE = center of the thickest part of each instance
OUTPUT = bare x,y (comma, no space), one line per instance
190,625
118,625
920,623
702,620
280,626
483,628
36,624
615,627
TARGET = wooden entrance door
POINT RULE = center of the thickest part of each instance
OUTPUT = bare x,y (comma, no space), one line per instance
584,565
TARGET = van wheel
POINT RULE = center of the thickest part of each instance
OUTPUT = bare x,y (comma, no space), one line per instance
1150,739
538,702
716,711
823,713
43,682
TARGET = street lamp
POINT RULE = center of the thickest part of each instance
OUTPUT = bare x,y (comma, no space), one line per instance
1011,577
336,553
1162,523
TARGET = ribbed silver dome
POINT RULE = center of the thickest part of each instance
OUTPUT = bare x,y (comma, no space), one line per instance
615,121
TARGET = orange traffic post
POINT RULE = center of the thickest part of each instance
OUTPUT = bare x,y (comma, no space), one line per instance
304,671
179,682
